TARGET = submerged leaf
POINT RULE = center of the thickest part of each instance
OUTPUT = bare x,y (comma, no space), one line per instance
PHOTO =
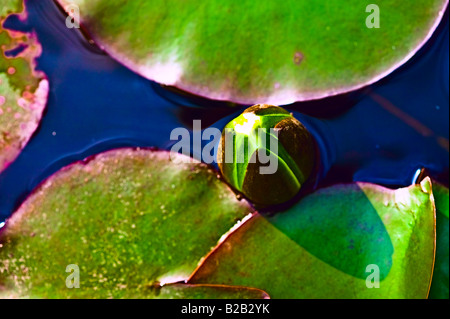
274,52
130,220
335,243
23,91
439,285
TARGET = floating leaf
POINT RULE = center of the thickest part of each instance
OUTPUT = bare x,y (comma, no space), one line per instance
23,91
331,244
439,285
186,291
274,52
130,220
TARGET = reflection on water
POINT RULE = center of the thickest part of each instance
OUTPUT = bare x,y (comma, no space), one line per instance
382,134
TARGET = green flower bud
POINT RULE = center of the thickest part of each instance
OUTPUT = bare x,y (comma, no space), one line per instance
262,138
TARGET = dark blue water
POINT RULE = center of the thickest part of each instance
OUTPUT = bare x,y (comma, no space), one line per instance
380,134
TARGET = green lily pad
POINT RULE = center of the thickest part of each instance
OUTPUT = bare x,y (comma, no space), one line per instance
186,291
130,220
273,52
334,243
23,91
439,285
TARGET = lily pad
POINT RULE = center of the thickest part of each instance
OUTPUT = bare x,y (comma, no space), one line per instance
273,52
338,242
128,220
23,91
186,291
439,285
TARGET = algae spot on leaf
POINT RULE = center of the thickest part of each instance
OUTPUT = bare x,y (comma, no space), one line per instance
131,220
298,57
23,91
293,267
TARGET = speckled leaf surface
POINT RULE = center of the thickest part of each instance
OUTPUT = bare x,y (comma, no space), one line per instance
439,285
23,91
130,219
274,52
322,246
186,291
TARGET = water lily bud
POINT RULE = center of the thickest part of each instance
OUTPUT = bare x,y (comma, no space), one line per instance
266,154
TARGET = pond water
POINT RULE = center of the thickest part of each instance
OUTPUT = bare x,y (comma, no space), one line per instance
381,134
